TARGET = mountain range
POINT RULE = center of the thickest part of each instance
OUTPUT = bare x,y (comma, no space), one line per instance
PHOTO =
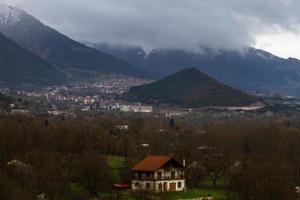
74,59
189,88
253,69
19,66
49,57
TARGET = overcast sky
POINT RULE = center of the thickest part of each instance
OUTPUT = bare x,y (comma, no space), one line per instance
222,24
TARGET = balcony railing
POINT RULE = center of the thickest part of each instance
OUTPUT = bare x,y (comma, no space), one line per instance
162,178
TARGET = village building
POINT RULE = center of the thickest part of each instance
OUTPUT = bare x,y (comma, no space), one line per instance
19,111
136,108
159,174
122,127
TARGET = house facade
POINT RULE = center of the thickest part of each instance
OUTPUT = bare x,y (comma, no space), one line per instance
159,174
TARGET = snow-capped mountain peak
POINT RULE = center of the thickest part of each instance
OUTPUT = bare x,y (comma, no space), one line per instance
9,15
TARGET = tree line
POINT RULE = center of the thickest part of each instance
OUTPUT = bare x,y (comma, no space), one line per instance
57,158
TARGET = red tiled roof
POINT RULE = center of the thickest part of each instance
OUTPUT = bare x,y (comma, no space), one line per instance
151,163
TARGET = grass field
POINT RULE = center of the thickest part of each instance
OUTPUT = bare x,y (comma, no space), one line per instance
206,183
218,194
117,165
116,161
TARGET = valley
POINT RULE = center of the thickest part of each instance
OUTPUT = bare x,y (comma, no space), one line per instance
107,96
149,100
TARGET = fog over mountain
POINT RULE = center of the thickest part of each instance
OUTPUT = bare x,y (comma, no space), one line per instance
254,69
73,58
175,24
163,37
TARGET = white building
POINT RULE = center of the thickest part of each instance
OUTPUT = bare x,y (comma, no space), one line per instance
159,174
122,127
142,109
19,111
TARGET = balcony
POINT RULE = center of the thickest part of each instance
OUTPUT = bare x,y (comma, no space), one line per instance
162,178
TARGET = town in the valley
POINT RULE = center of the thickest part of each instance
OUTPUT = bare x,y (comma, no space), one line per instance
106,96
149,100
152,151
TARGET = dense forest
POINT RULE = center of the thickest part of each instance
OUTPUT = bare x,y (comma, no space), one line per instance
58,158
4,101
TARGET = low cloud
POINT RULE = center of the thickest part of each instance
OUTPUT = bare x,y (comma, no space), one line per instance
182,24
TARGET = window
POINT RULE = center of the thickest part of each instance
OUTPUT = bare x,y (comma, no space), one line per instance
160,187
137,185
179,185
159,175
172,174
144,175
165,186
147,186
136,175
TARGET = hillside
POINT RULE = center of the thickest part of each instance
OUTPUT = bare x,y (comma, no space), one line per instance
4,101
73,57
189,88
18,66
253,69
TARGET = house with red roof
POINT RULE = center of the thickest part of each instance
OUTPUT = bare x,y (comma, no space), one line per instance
159,174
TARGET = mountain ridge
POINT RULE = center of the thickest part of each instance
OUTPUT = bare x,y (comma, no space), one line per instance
253,69
67,54
9,14
20,67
